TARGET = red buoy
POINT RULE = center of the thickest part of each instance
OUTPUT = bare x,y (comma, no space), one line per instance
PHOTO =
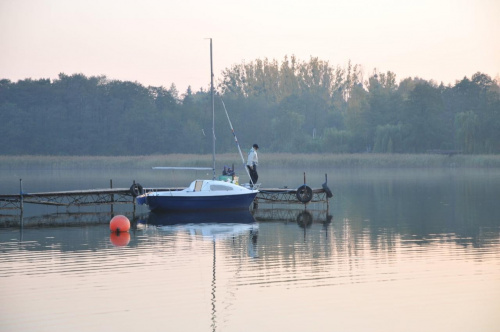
119,239
119,224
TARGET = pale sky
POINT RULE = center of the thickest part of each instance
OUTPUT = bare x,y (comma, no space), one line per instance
160,42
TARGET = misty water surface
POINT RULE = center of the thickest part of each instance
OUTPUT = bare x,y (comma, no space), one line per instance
403,250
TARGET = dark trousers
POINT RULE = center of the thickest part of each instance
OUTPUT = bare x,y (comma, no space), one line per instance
253,173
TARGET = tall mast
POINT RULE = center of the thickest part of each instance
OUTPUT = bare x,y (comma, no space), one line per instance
213,107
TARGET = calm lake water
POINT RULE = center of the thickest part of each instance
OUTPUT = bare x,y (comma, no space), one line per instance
398,250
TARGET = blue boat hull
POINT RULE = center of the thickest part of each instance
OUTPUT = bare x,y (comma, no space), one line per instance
205,203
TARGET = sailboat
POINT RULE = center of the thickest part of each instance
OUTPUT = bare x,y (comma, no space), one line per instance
202,195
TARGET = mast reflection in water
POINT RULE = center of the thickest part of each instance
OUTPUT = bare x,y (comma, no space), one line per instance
210,226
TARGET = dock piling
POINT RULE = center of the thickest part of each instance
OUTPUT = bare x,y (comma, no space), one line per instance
112,198
21,201
21,193
134,201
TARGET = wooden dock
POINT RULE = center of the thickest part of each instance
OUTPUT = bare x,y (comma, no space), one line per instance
88,197
289,196
93,197
299,205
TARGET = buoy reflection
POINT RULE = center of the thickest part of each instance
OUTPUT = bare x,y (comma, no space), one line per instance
119,239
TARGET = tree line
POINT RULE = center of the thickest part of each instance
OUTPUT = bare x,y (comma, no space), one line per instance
287,106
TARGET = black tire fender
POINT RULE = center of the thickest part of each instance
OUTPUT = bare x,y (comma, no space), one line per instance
327,190
304,194
136,189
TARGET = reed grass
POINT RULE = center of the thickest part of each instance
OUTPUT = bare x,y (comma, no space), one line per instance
266,160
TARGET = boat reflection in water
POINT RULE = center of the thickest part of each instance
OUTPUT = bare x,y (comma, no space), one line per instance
210,224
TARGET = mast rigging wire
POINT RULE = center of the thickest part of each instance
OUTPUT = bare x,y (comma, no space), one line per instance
236,140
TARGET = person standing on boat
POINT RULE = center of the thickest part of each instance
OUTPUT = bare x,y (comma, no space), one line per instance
252,162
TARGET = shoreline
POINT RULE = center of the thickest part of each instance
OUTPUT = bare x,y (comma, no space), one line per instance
366,160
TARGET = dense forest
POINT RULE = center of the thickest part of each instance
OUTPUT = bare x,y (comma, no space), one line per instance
284,106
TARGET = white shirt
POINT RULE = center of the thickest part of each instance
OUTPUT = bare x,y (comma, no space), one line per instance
253,159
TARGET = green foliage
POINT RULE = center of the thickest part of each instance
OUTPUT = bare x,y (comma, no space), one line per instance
467,131
420,115
388,139
290,106
337,141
